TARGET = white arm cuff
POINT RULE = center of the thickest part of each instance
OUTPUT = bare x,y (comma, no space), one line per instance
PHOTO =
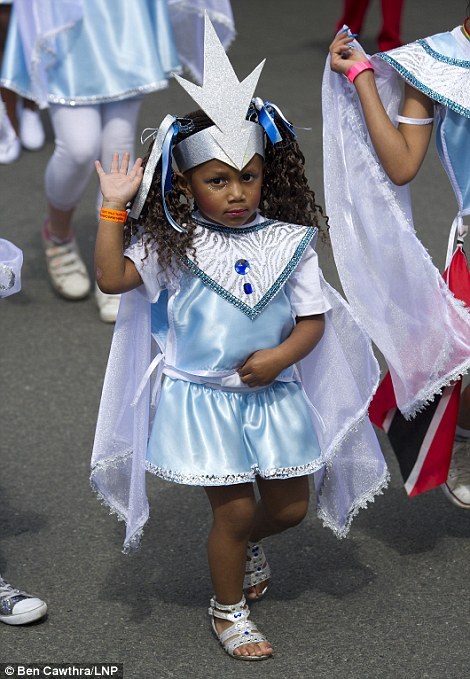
414,121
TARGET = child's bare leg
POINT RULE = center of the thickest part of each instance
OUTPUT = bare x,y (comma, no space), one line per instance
233,509
283,504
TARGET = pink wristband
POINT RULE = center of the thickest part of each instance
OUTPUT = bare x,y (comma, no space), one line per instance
358,68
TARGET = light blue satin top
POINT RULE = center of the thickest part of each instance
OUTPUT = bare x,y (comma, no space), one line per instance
120,49
453,146
453,130
209,336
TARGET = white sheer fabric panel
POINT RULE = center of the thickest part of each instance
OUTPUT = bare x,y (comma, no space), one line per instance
388,277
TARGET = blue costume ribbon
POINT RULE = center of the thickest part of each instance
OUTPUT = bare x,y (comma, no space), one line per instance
166,172
266,120
270,127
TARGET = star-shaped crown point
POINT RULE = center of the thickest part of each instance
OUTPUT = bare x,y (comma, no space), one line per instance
223,97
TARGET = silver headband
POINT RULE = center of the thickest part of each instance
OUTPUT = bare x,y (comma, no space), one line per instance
203,146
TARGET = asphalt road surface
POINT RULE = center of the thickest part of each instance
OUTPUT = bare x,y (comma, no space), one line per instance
389,601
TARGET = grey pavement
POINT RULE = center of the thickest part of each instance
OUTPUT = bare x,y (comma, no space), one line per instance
390,600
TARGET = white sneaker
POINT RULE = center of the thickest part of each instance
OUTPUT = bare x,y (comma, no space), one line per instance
67,271
457,486
17,607
10,145
32,133
108,305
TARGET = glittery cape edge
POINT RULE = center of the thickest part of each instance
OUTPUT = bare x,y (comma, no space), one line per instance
360,503
418,85
134,543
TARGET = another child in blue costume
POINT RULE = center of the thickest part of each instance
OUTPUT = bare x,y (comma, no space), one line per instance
223,310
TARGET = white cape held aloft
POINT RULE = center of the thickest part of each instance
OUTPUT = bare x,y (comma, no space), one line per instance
388,277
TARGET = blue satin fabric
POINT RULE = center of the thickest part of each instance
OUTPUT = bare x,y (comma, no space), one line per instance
445,43
120,49
210,335
453,145
453,137
205,436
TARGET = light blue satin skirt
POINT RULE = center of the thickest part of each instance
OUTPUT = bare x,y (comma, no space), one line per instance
210,437
119,50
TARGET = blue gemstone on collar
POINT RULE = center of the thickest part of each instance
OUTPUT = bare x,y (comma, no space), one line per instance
242,266
248,288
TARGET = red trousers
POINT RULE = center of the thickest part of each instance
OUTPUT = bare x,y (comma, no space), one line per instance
354,12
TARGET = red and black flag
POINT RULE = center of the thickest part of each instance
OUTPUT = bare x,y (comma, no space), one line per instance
423,445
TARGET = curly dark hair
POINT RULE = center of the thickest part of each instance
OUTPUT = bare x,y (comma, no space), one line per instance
286,195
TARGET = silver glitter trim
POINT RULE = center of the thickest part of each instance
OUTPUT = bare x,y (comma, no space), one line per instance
361,503
427,396
97,99
232,479
133,544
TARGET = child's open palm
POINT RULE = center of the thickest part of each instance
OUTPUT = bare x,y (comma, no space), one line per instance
121,184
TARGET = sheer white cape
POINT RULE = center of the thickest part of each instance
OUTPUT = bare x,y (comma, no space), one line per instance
388,277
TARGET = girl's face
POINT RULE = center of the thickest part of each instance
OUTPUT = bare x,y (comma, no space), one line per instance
223,194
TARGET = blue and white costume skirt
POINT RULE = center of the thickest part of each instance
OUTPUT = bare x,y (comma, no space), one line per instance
117,50
205,436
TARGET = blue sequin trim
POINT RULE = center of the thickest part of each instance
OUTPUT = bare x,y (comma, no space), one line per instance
442,57
253,312
432,94
236,230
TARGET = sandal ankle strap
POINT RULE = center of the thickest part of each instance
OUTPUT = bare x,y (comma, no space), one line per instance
257,569
232,612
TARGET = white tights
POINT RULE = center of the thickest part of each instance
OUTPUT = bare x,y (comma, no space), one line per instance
84,134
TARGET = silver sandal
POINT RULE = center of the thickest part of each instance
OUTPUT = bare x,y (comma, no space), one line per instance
241,632
257,569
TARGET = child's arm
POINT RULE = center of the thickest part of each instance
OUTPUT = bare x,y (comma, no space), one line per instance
400,150
264,366
114,272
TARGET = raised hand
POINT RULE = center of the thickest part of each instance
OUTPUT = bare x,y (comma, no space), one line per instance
120,185
342,55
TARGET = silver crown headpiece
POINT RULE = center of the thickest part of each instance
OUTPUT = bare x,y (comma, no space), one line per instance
232,139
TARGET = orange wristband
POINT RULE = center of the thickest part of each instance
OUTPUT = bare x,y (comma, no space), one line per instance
118,216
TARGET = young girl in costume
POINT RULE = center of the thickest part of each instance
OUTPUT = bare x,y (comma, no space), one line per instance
232,361
425,335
